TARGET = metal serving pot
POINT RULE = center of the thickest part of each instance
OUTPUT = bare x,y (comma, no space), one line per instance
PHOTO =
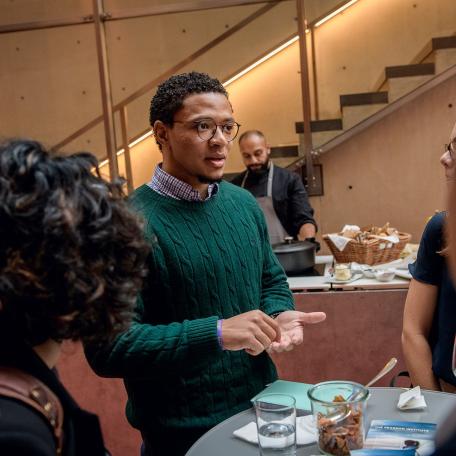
295,256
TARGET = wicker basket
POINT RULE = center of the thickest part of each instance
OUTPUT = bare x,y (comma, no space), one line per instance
374,251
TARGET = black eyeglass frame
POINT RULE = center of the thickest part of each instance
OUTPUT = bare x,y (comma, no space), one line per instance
451,148
215,129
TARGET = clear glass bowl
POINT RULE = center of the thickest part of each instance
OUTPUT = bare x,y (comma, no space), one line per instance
338,408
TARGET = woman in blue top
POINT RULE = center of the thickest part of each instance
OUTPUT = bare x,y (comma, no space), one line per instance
446,434
430,308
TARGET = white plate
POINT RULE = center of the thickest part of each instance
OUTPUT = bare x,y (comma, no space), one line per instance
404,273
351,279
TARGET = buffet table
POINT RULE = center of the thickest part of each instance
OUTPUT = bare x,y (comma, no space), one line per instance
320,283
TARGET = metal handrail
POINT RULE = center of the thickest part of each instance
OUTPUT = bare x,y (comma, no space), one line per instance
157,10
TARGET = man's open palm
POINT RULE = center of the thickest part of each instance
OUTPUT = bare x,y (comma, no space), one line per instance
291,323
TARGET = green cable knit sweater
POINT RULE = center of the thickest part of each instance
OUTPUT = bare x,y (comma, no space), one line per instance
210,260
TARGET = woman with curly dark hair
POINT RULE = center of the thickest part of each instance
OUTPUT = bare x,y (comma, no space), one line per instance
72,260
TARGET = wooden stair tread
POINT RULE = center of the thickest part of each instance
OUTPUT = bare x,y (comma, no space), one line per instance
443,42
357,99
320,125
417,69
284,151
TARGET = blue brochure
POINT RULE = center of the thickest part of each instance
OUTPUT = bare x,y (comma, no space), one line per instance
401,436
382,452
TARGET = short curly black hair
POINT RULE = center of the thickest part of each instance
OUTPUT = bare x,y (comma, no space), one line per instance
72,253
171,94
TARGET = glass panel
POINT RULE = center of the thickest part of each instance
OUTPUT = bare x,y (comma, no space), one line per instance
50,83
144,49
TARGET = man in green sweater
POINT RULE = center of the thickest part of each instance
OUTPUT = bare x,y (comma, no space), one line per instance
216,300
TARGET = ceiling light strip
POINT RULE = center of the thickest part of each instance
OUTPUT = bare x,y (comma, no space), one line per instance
335,13
260,61
132,144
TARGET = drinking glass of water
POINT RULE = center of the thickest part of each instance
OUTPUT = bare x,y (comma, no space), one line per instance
276,423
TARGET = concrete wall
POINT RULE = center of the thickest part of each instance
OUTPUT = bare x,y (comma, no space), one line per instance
393,168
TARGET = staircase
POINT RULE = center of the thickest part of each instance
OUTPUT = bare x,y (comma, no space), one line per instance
395,82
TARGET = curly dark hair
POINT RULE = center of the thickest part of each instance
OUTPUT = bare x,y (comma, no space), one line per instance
171,94
72,254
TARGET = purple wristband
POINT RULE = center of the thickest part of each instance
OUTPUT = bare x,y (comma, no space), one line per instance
219,333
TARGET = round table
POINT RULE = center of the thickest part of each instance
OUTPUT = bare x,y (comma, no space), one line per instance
219,440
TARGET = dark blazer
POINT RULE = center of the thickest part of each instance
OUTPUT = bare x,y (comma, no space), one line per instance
24,432
289,197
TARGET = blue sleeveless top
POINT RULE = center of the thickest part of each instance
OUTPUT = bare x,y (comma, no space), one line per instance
431,267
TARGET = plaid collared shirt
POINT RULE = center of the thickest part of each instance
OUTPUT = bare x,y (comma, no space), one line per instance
168,185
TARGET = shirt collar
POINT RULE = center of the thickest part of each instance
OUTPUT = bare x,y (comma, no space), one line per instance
167,185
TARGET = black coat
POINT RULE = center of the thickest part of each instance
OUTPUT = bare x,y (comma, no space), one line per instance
289,197
24,432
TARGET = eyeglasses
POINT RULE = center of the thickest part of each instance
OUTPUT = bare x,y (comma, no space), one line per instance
451,148
206,129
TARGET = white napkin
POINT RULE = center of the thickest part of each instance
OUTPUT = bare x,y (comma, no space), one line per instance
411,399
305,427
393,238
351,228
404,264
339,241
